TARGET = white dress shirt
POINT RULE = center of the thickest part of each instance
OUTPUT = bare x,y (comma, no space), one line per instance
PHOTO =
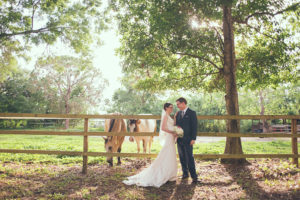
184,111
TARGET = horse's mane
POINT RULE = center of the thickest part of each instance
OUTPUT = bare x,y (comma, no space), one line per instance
114,124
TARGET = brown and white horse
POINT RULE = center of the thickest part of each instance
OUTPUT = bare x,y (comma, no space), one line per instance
142,125
113,144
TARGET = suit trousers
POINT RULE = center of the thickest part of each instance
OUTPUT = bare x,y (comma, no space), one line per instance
185,151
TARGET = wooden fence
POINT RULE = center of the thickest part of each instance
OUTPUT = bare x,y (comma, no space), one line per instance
86,133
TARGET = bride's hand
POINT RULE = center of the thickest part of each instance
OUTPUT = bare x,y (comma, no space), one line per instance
174,134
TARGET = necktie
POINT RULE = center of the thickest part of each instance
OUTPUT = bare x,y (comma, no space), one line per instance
182,114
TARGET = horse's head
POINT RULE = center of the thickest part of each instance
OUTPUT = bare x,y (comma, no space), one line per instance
108,143
134,125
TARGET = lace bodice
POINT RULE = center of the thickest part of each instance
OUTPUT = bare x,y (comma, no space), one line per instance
170,123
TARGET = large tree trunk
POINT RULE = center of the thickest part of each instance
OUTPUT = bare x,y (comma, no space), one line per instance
233,145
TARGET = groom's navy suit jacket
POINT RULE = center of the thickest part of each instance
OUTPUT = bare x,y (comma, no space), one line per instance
189,125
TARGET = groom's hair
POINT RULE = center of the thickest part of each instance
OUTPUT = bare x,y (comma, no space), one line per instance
181,99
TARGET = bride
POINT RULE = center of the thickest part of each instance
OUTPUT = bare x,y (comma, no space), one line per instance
164,167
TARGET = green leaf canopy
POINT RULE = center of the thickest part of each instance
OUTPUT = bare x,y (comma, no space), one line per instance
24,24
179,44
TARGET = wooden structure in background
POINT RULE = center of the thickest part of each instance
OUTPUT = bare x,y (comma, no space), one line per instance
85,133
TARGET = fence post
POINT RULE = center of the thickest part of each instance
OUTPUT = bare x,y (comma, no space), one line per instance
294,141
85,145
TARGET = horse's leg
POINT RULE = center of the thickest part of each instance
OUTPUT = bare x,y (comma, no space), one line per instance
145,145
110,161
150,142
119,159
138,144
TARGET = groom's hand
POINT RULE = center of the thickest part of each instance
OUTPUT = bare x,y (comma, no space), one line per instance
176,114
192,142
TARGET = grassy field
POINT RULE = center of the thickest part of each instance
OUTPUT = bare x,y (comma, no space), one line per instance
34,176
96,144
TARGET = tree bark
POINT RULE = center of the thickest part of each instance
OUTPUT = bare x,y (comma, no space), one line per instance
67,106
262,111
233,145
67,112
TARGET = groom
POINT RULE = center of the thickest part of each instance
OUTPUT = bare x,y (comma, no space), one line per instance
187,120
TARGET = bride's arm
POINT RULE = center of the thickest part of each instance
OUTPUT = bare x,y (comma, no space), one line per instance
164,126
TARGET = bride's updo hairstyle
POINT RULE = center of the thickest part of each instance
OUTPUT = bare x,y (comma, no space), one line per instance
166,105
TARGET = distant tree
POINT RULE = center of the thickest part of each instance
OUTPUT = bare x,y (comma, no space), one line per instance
131,101
24,24
208,104
72,82
283,100
18,95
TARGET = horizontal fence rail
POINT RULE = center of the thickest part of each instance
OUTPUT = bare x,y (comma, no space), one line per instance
102,133
147,155
85,133
158,117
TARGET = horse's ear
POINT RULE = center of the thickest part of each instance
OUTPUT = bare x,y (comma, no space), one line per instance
138,121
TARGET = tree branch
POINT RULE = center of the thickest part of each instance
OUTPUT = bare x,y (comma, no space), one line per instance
2,35
221,45
200,58
220,39
257,30
198,74
245,21
34,6
191,55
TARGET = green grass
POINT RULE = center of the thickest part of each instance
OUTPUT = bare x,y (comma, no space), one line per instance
55,128
272,147
96,144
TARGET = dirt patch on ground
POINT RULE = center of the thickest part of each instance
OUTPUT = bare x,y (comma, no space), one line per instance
261,179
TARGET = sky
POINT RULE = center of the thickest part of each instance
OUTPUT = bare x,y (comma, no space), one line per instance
104,58
108,62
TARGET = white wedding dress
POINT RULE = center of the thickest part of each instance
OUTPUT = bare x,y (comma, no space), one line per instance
163,168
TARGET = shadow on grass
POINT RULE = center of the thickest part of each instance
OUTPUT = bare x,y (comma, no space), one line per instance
64,183
242,176
102,182
170,190
183,190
